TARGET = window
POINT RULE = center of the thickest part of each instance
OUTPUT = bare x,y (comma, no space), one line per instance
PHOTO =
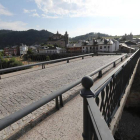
108,46
105,47
100,47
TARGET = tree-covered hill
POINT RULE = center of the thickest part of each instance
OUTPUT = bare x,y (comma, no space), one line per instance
88,36
29,37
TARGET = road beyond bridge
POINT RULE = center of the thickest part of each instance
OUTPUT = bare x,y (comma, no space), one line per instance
21,90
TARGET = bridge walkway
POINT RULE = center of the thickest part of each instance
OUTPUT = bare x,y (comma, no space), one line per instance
65,124
21,90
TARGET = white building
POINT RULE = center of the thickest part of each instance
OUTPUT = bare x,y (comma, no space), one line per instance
90,46
51,50
107,45
34,49
23,49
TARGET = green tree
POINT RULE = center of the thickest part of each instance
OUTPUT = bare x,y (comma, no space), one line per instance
2,53
29,51
47,58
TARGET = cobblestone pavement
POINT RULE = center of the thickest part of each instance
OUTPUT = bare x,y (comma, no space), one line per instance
65,124
21,90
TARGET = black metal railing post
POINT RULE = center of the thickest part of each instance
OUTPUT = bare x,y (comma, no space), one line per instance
100,74
61,101
56,103
87,83
68,61
114,64
43,66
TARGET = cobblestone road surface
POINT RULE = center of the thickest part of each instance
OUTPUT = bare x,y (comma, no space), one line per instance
21,90
65,124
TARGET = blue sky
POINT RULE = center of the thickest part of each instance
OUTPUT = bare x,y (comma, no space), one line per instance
114,17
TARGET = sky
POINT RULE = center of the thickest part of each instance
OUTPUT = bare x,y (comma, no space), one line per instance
77,17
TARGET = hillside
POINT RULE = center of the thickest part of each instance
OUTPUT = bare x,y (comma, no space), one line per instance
29,37
89,36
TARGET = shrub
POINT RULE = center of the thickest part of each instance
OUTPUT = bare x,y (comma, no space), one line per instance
39,57
5,63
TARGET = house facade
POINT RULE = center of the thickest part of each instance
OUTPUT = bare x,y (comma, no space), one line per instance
23,49
107,45
91,46
75,47
101,45
50,50
59,40
10,51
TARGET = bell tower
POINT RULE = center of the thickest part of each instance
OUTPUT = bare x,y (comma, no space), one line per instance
66,38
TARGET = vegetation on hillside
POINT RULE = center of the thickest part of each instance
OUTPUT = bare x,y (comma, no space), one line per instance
88,36
30,37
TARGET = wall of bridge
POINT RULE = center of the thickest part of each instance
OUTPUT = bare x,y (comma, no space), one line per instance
134,96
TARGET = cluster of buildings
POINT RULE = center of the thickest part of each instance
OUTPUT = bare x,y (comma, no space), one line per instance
94,45
59,43
16,50
129,37
55,44
59,40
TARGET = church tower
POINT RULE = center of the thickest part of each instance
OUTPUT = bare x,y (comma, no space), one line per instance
66,36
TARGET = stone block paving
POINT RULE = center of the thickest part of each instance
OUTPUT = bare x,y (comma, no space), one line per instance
65,124
21,90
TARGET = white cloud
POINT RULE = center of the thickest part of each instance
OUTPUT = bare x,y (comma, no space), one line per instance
26,11
13,25
85,8
29,11
32,12
46,16
35,15
4,11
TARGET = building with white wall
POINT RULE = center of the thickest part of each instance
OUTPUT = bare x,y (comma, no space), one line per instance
23,49
50,50
107,45
89,46
94,45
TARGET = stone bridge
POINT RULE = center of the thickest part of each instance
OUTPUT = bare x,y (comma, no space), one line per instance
22,88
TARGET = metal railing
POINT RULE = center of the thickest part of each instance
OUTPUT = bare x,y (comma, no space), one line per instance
102,100
2,71
57,95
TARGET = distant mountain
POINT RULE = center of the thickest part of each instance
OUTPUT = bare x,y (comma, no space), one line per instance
89,36
29,37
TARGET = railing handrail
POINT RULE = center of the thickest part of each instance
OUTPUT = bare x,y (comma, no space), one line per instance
4,122
100,125
51,61
109,77
98,111
45,62
103,67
